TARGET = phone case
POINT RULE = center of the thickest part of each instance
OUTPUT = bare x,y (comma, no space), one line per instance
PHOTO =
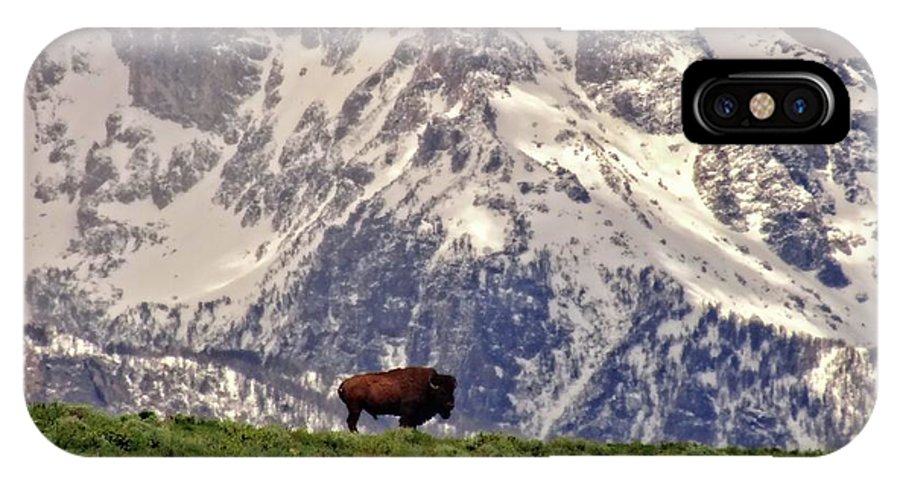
228,225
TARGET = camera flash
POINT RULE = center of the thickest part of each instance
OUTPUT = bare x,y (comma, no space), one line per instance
762,105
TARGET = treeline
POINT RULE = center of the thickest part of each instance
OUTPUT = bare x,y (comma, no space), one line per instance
87,431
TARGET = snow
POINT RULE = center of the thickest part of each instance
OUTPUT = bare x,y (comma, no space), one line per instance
708,378
454,111
824,372
104,89
394,354
485,229
691,232
319,83
91,97
385,176
207,249
208,254
48,229
313,381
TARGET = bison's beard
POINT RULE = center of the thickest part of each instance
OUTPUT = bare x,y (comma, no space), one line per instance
445,414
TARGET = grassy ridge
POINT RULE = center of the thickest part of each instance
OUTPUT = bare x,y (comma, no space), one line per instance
84,430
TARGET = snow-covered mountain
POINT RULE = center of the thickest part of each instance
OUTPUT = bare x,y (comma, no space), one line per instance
230,222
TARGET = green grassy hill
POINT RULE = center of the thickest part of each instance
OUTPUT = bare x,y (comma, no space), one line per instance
84,430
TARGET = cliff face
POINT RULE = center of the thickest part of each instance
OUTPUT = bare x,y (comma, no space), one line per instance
229,223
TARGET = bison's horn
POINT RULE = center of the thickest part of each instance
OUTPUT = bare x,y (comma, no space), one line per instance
433,386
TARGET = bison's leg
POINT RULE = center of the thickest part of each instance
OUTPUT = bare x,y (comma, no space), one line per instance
407,421
353,417
407,417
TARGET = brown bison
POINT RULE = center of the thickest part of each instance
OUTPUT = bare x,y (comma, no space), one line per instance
415,394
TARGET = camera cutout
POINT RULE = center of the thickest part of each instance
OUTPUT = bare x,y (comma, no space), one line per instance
763,101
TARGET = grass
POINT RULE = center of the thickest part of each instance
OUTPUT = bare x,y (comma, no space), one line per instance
86,431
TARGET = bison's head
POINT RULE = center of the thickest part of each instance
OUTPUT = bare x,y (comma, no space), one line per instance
441,388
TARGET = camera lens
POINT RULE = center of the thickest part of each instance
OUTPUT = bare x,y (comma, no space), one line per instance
801,105
725,105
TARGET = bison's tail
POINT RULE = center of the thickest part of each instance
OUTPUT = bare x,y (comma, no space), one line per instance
341,393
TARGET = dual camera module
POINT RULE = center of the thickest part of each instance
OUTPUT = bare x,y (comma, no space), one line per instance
763,101
799,106
787,103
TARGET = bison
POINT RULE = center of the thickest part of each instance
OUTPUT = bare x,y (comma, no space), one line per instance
415,394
